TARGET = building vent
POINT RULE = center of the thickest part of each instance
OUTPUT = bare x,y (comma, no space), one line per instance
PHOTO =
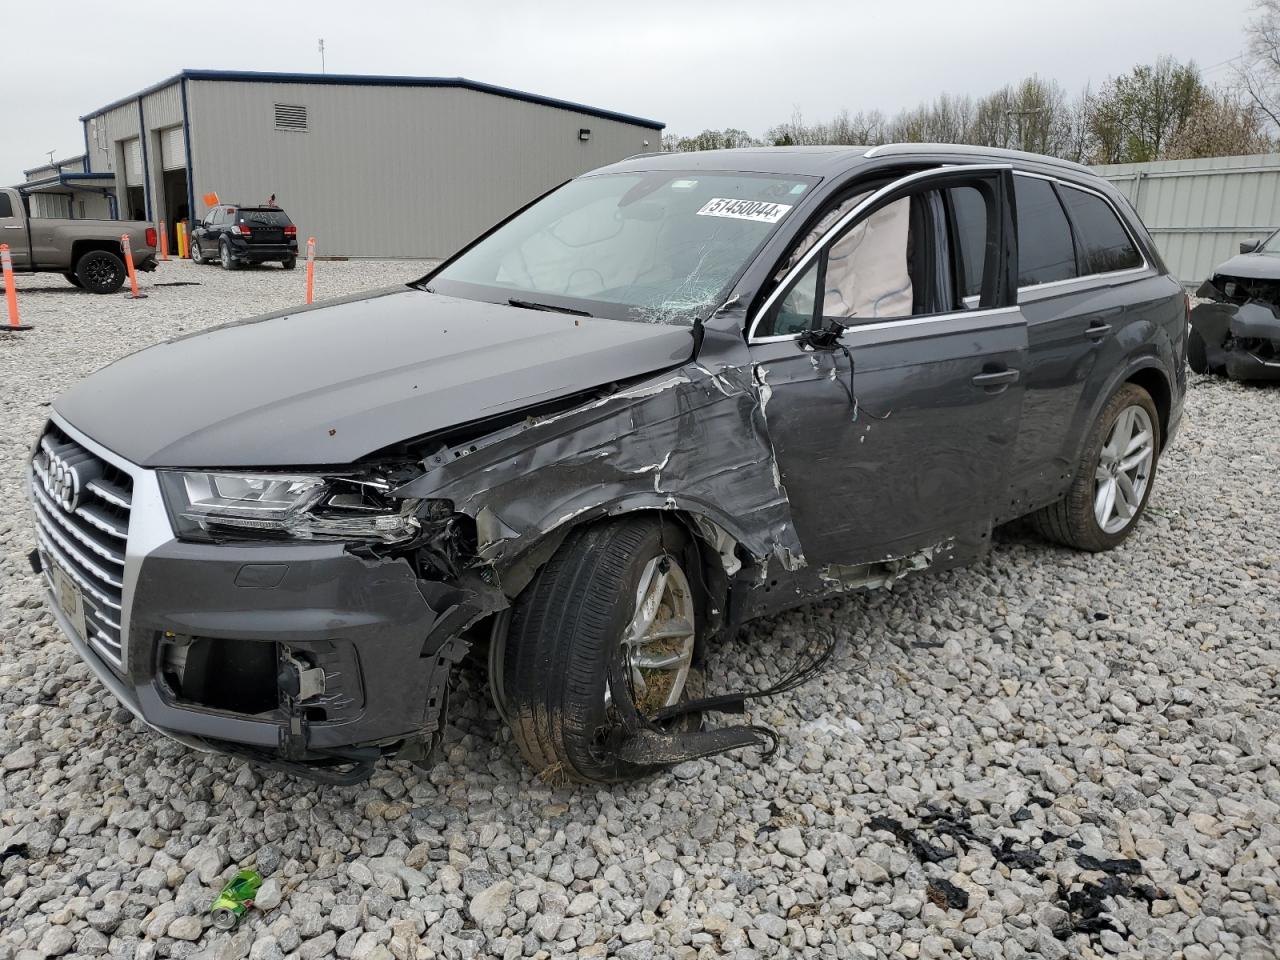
291,116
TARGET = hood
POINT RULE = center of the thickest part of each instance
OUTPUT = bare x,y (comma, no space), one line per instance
1251,266
327,385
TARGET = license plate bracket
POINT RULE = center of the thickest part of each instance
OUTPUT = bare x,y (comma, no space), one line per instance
70,599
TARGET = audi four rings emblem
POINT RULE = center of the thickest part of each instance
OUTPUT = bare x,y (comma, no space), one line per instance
61,481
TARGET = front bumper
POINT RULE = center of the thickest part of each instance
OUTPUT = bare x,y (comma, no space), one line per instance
207,629
1241,340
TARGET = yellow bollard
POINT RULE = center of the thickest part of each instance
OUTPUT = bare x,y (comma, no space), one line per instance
182,239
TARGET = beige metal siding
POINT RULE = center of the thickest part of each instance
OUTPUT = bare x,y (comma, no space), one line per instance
1198,211
392,171
163,107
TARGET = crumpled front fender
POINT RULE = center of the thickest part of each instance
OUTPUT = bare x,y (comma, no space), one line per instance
1221,325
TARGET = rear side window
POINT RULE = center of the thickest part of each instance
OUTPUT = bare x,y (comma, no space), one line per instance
969,213
6,205
1046,251
266,218
1104,243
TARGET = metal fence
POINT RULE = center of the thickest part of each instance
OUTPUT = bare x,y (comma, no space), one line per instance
1198,211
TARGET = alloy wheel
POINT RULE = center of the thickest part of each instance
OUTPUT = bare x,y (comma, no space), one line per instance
1124,470
657,645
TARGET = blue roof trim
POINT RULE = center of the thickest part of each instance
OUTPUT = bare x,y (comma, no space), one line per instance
63,180
361,80
56,164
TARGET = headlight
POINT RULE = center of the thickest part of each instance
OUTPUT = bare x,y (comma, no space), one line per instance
205,505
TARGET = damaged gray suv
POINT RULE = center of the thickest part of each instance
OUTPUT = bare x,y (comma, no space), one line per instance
670,395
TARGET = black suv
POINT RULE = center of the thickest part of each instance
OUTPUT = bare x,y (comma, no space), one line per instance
234,235
672,395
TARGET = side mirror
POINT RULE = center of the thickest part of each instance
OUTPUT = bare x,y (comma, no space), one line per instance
1250,246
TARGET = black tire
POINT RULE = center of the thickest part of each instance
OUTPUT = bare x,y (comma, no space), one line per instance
225,257
100,271
565,631
1197,352
72,279
290,263
1072,521
196,256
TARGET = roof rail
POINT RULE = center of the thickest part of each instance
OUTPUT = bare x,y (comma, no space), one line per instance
907,149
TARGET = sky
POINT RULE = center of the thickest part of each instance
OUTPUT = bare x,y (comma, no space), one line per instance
692,64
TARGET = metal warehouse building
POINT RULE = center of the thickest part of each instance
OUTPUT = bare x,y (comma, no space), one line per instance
370,166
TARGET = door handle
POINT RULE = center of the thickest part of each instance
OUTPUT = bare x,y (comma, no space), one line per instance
13,226
1097,331
998,378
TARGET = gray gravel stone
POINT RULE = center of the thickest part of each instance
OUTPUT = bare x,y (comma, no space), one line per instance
996,692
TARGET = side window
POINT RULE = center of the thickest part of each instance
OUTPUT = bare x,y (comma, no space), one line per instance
6,206
969,224
1046,251
1104,243
867,276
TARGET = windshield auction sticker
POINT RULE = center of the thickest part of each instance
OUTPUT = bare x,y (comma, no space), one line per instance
761,211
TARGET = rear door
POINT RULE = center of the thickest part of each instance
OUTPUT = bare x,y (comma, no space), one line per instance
1075,260
895,439
13,229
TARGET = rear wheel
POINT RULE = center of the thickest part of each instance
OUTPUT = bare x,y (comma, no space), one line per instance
224,255
289,263
72,279
1113,479
100,271
615,600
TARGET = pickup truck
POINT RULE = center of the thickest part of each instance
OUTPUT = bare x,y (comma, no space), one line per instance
87,252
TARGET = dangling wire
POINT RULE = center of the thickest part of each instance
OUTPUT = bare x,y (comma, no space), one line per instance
828,338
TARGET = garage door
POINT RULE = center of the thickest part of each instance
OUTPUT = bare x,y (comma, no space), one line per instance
173,150
133,162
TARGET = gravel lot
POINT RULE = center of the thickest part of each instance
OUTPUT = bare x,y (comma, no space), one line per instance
1049,755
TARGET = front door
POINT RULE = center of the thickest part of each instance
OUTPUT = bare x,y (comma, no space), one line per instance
13,229
894,439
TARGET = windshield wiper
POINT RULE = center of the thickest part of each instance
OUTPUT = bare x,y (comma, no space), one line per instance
532,305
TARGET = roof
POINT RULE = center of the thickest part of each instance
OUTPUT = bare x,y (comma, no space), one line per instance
364,80
70,179
55,165
821,161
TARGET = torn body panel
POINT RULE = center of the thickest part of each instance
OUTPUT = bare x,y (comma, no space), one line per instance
693,441
1241,335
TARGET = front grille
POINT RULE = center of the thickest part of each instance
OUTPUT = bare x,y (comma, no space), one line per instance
82,508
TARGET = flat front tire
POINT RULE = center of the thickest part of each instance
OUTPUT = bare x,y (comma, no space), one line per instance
616,599
1113,479
196,256
1197,353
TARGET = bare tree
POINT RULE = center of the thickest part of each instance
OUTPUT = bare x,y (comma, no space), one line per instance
1222,125
1260,77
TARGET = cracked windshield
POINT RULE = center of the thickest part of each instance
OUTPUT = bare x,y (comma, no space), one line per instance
659,247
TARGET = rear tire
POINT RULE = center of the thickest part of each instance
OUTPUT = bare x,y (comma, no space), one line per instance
568,628
72,279
1197,353
224,255
290,263
1112,443
100,271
